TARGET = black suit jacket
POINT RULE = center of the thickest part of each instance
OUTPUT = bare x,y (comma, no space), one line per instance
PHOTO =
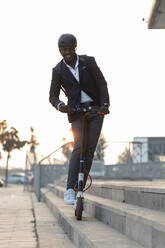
92,82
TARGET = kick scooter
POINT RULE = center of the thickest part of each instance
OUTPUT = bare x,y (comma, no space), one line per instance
79,190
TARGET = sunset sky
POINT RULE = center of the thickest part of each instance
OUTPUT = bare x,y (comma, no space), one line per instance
130,56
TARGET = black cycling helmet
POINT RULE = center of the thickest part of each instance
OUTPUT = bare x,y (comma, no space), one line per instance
67,40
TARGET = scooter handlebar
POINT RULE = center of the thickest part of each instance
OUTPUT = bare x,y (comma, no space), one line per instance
84,109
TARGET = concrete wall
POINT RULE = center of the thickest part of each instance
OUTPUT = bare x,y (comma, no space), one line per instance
137,171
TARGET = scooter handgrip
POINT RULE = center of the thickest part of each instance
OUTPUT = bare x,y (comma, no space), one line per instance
100,113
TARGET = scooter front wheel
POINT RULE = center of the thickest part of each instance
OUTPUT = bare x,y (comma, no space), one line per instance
79,208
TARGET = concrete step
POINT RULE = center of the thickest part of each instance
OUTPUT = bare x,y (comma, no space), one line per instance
50,234
88,233
145,226
148,194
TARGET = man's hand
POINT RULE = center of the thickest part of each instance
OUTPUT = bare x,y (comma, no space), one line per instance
64,108
104,109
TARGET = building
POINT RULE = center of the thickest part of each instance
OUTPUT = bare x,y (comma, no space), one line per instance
148,149
157,16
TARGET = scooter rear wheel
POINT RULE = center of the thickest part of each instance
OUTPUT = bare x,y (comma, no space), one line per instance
79,208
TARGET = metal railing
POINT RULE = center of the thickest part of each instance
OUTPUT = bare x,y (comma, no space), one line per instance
114,153
35,167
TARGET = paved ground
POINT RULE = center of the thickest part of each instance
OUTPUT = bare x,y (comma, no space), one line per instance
17,225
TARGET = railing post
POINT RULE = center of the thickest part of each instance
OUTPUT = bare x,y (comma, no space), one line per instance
37,180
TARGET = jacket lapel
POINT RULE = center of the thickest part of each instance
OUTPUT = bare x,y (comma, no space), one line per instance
68,74
80,71
82,66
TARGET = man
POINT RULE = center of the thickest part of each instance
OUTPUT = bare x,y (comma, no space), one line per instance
83,84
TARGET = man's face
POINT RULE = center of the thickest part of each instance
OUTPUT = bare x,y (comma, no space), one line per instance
68,53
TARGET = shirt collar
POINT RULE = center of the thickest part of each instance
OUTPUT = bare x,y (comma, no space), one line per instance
76,64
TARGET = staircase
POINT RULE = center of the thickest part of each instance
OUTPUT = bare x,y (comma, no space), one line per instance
117,214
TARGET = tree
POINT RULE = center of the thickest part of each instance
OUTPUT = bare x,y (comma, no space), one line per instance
125,157
100,148
33,144
33,141
67,149
10,141
99,153
3,127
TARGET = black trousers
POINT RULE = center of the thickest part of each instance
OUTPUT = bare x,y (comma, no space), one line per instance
94,126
